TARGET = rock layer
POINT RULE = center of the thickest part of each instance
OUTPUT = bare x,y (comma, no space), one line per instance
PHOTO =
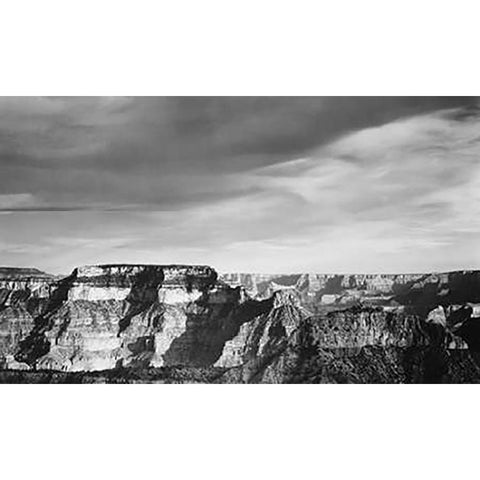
103,317
144,318
24,294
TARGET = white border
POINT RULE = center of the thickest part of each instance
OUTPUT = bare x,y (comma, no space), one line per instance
214,47
238,48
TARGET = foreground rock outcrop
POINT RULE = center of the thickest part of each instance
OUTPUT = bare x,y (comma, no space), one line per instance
103,317
183,323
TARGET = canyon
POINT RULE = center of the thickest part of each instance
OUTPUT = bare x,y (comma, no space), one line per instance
189,324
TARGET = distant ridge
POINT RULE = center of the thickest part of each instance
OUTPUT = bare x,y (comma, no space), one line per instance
10,272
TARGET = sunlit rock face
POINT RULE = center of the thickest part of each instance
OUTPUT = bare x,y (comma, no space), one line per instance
266,332
349,346
124,318
103,317
366,328
24,294
21,285
115,282
437,316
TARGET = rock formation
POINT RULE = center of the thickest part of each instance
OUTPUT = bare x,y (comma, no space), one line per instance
24,294
184,323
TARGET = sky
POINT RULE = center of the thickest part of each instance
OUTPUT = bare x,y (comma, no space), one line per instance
245,184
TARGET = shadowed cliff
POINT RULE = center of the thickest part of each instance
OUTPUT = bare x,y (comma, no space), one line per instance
182,323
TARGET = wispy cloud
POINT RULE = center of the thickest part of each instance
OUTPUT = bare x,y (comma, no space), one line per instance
267,184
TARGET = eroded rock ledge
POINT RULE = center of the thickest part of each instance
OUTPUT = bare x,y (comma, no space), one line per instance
124,317
117,282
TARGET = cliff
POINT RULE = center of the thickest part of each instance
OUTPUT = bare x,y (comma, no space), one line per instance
399,328
108,316
184,323
24,294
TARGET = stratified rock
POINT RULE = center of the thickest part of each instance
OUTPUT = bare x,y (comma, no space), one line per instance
171,322
108,316
24,294
265,334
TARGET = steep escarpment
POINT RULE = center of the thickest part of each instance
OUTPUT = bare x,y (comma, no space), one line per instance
266,334
182,323
107,316
364,345
140,316
24,294
421,329
23,286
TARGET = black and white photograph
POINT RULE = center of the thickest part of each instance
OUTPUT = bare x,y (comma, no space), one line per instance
240,239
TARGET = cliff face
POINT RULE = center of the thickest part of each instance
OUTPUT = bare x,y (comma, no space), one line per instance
109,316
157,320
422,328
121,316
265,334
138,316
24,294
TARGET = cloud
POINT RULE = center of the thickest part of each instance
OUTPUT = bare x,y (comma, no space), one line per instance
170,151
407,186
243,183
15,200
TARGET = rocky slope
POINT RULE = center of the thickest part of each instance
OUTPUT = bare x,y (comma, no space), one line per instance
24,294
180,323
122,316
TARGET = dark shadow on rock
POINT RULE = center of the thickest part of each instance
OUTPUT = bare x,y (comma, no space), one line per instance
420,301
467,328
461,288
142,344
435,365
209,326
143,294
464,287
36,344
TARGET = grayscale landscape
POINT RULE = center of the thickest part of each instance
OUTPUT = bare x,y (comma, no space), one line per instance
239,240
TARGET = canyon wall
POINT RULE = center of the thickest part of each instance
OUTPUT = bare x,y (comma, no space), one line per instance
155,318
24,295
